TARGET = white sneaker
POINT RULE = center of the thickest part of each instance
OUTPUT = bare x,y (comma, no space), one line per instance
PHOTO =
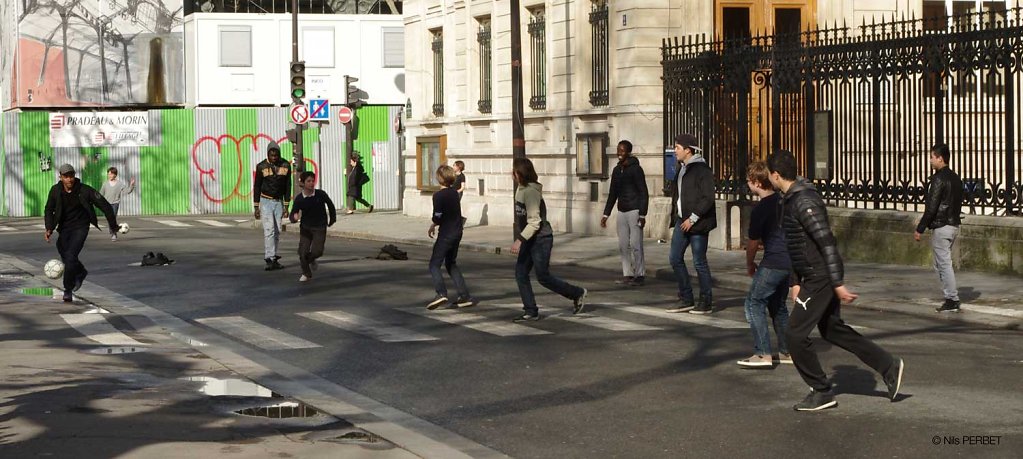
113,238
303,278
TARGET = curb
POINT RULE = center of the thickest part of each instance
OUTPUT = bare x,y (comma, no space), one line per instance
732,282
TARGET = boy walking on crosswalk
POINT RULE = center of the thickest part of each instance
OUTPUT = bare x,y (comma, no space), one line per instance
312,207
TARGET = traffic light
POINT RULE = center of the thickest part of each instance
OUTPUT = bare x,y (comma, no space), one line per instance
353,95
298,80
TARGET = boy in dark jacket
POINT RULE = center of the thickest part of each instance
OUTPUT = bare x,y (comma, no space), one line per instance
312,207
447,214
69,210
692,218
271,192
628,188
818,289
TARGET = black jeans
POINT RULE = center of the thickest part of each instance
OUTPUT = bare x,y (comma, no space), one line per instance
445,250
817,306
70,243
356,199
536,253
310,246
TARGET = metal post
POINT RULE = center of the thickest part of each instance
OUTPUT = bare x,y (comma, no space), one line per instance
297,145
876,101
1010,134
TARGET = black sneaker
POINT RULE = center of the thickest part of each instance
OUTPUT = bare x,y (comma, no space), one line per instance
894,378
269,264
682,306
817,401
527,317
273,265
638,281
948,306
437,302
68,297
703,307
627,280
579,303
466,302
79,280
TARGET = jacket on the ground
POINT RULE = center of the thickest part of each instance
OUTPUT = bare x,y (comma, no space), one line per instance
697,196
628,188
273,180
530,212
53,213
944,201
812,247
357,177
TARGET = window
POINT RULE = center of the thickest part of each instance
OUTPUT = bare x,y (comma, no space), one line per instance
485,104
438,72
318,47
599,40
393,47
538,59
591,155
235,46
430,154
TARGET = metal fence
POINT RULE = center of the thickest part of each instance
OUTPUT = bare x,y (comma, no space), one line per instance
860,107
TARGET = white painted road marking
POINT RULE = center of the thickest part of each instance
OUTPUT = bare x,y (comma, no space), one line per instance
172,223
256,334
96,328
368,327
7,228
584,318
213,223
992,310
477,322
686,317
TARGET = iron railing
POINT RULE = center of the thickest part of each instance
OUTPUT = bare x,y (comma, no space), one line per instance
538,59
860,107
438,72
486,84
600,76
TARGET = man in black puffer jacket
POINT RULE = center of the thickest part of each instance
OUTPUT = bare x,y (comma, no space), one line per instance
818,289
628,188
944,203
692,218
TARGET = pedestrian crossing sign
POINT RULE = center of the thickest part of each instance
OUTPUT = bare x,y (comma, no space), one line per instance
319,110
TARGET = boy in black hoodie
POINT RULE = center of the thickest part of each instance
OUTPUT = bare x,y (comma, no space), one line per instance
312,207
628,188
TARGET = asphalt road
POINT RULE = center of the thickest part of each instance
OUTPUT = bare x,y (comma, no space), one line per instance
623,380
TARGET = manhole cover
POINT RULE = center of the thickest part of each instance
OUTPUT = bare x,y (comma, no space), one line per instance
116,350
280,411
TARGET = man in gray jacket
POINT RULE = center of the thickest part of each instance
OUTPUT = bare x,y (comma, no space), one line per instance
113,190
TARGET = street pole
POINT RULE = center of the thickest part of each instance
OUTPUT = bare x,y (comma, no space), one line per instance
297,144
518,137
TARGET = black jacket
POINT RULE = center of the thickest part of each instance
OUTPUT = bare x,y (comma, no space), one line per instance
357,177
944,201
697,197
812,247
272,181
54,212
628,187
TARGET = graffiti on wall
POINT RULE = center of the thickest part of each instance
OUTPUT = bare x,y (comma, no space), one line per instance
209,156
97,53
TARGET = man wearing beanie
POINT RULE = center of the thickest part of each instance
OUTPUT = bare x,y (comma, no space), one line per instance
69,211
271,193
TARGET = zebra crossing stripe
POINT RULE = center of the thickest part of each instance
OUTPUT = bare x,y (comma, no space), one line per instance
213,223
7,228
686,317
172,223
477,322
584,318
368,327
96,328
256,334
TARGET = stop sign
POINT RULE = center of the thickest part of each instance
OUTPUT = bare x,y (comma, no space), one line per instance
345,114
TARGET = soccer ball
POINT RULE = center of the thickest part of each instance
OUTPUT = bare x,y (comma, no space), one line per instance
53,268
124,228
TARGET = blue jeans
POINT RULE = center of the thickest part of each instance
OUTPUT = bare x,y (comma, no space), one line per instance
680,241
536,253
270,212
767,296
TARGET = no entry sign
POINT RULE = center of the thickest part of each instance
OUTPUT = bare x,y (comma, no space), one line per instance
345,114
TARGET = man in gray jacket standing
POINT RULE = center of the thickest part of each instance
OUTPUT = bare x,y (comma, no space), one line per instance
628,189
113,190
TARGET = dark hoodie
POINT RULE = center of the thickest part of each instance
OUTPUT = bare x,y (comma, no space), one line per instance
273,180
628,188
55,216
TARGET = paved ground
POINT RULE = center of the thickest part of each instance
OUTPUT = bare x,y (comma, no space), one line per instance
623,380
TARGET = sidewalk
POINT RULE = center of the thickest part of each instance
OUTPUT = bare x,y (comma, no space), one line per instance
80,381
988,299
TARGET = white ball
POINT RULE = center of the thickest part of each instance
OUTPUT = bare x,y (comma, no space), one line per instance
124,228
53,268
